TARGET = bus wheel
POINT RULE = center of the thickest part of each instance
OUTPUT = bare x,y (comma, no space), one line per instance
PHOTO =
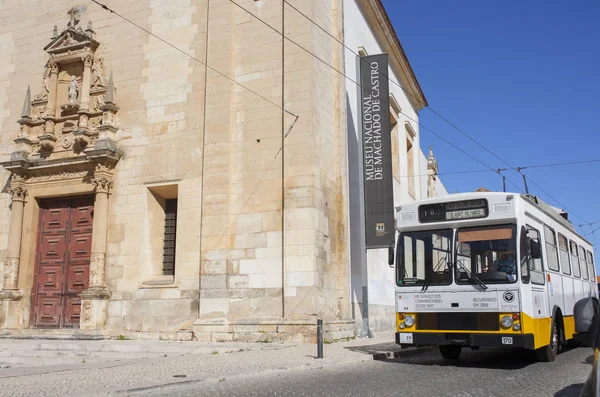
548,353
450,352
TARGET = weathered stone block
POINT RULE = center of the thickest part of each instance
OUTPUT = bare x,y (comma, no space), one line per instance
222,337
147,293
271,280
160,324
238,282
148,324
254,240
213,282
248,223
135,308
169,293
184,335
202,336
114,309
212,267
214,293
133,323
214,307
171,307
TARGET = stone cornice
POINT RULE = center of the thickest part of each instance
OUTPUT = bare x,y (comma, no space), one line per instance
379,22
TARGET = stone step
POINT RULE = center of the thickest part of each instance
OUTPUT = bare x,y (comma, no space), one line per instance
93,347
13,362
81,354
44,352
158,347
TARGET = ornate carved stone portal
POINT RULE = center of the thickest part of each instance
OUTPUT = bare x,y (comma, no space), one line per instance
75,108
67,133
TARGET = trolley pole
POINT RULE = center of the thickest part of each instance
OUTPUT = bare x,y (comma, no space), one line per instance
319,338
524,179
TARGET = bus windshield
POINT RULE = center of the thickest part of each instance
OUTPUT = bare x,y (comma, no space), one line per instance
489,253
424,258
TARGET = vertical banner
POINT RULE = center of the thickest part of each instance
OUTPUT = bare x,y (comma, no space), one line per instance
377,152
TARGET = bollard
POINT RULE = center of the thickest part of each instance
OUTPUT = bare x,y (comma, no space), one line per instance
319,338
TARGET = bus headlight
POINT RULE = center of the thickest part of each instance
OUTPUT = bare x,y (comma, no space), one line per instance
517,327
402,325
507,321
410,321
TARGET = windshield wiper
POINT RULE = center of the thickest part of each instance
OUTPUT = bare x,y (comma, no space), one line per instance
471,275
426,283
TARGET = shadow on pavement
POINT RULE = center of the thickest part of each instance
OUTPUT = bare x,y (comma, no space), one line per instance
377,348
590,360
504,359
570,391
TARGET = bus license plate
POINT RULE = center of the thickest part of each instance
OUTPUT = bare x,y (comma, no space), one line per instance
507,341
406,338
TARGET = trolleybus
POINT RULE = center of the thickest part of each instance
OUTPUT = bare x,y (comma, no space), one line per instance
489,269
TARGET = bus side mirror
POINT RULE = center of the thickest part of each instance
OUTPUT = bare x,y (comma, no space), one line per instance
391,256
536,252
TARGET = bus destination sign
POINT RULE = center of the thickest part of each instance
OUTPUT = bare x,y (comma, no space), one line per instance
456,210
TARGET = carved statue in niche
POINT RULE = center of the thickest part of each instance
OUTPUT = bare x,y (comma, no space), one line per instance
73,90
68,39
45,85
98,79
97,102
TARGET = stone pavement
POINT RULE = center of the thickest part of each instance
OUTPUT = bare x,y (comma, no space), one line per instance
126,377
483,373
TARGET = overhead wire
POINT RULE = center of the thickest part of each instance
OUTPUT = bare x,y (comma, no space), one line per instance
592,232
518,170
475,171
365,90
288,131
105,7
489,168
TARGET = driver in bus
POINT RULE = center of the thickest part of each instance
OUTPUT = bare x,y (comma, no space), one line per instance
506,263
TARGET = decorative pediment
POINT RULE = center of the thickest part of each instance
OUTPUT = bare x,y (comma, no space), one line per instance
73,120
71,40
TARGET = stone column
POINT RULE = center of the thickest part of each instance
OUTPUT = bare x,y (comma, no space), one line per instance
99,236
94,300
10,295
13,251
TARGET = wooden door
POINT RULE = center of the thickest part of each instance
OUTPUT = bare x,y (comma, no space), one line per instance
62,261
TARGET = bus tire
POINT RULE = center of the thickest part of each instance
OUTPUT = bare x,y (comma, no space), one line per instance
450,352
548,353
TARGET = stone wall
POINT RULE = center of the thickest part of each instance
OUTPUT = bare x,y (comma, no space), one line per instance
262,221
260,166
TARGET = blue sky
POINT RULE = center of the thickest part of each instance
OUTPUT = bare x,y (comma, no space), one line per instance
520,77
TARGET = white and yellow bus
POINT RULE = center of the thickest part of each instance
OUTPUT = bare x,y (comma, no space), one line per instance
489,269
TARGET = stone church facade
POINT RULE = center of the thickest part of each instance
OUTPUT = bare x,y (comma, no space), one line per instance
148,195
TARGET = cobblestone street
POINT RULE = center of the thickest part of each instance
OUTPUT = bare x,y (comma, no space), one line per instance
489,373
348,369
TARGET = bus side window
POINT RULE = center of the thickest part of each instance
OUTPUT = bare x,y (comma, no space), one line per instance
551,250
583,261
591,266
524,255
536,265
563,246
575,260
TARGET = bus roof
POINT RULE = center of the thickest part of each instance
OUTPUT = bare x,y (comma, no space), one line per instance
555,213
